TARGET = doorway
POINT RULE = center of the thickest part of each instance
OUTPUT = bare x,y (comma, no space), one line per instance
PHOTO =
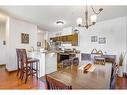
3,48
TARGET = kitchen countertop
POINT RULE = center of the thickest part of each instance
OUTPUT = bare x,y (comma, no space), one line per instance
58,51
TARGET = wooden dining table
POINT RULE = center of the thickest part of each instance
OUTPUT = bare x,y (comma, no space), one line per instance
78,79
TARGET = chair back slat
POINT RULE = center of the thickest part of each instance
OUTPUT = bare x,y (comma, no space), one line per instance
55,84
18,58
24,55
76,61
66,63
21,57
18,55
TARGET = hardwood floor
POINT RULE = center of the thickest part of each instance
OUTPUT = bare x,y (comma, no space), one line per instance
121,83
11,81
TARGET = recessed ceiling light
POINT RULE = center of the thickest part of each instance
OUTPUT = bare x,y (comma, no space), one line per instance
59,22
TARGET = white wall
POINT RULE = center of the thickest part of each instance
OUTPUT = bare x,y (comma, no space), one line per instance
14,28
40,37
2,47
64,31
115,32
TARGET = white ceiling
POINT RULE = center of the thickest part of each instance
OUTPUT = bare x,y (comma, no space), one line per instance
46,16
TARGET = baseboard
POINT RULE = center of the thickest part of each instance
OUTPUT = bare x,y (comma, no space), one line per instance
125,75
2,64
10,71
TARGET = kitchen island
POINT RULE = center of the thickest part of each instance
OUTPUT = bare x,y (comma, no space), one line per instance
48,61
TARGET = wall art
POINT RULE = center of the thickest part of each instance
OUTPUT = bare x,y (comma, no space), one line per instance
93,38
24,38
102,40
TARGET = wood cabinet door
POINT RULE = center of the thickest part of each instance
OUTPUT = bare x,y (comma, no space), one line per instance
64,38
75,40
68,38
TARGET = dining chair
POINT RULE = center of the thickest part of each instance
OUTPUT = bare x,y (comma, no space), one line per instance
28,66
18,61
76,61
98,58
19,57
85,57
94,51
65,63
113,75
100,52
53,83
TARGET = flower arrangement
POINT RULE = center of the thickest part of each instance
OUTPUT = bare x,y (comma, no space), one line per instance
121,59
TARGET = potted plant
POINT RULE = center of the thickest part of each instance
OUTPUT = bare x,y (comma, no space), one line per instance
121,59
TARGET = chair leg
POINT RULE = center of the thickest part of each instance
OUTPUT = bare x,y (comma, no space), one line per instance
26,73
18,69
18,72
37,70
31,70
22,75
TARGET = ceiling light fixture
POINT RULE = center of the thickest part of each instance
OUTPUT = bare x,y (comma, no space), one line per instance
59,22
92,20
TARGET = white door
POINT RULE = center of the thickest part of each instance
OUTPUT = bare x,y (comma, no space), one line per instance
2,46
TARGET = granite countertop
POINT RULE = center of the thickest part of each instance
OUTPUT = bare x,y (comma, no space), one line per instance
58,51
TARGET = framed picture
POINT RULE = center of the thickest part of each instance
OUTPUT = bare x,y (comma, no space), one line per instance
102,40
93,38
24,38
38,44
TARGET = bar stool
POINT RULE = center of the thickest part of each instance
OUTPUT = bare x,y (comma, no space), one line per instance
28,66
18,61
18,51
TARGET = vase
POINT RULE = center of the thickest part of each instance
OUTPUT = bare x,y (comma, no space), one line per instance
120,72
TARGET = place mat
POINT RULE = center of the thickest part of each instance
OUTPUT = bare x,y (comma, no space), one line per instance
91,69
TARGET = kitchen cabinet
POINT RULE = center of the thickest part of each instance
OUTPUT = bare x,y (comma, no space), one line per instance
70,37
73,39
50,62
47,62
64,38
